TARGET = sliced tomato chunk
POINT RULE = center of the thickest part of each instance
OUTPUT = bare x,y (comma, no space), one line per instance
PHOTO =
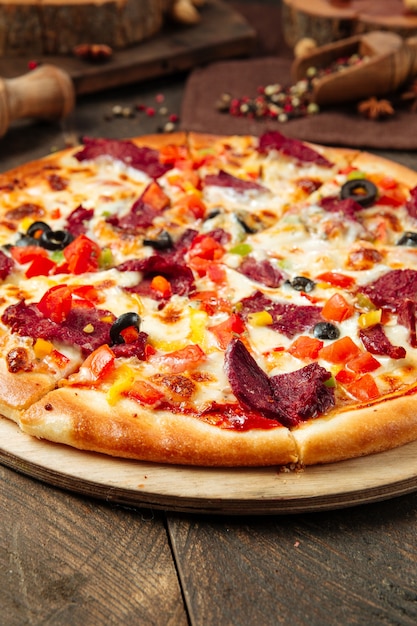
40,266
192,203
61,360
216,273
82,255
40,263
337,279
305,347
363,363
145,393
171,153
130,334
206,247
225,331
211,303
100,362
364,388
340,351
204,250
181,360
155,196
337,309
25,254
86,292
56,303
345,376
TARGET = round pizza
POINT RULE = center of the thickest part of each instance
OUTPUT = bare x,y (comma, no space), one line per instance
210,300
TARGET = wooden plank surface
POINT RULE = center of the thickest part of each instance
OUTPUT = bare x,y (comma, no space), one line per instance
71,561
324,569
222,33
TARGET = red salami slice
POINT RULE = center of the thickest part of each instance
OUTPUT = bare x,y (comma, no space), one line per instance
288,398
144,159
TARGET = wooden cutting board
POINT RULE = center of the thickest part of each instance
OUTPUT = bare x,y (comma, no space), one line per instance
222,33
329,20
234,491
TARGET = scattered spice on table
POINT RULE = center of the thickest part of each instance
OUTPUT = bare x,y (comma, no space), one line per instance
284,103
166,120
93,52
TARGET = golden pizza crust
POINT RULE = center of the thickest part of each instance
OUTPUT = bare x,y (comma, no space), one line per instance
157,141
83,418
372,163
18,391
339,156
360,431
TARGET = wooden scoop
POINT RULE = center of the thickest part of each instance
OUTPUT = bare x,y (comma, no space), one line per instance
44,93
392,62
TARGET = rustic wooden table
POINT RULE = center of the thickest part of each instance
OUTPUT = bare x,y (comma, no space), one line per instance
70,560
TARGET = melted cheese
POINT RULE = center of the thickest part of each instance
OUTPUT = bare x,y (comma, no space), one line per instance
292,232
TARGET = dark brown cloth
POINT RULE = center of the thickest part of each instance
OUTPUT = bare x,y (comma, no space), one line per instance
338,126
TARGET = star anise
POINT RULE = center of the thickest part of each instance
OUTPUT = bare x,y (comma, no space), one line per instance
375,109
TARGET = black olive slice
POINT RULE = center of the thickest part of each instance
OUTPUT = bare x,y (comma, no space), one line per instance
55,239
162,242
245,223
302,283
38,227
408,239
213,213
326,330
361,190
126,320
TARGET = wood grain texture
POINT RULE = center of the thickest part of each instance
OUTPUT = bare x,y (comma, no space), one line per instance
318,569
329,20
238,491
51,27
67,560
221,33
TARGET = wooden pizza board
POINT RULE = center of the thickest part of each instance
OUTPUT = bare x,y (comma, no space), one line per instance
329,20
235,491
221,33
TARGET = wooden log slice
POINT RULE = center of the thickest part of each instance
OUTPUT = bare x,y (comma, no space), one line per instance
56,26
326,21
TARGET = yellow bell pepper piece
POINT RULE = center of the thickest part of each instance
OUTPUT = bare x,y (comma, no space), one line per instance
198,325
260,318
42,348
370,318
125,377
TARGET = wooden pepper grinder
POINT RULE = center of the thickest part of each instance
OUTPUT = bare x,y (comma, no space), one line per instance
44,93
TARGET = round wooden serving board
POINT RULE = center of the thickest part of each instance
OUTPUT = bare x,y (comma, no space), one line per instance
240,491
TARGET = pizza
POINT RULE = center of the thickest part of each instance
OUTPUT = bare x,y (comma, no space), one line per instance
210,300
